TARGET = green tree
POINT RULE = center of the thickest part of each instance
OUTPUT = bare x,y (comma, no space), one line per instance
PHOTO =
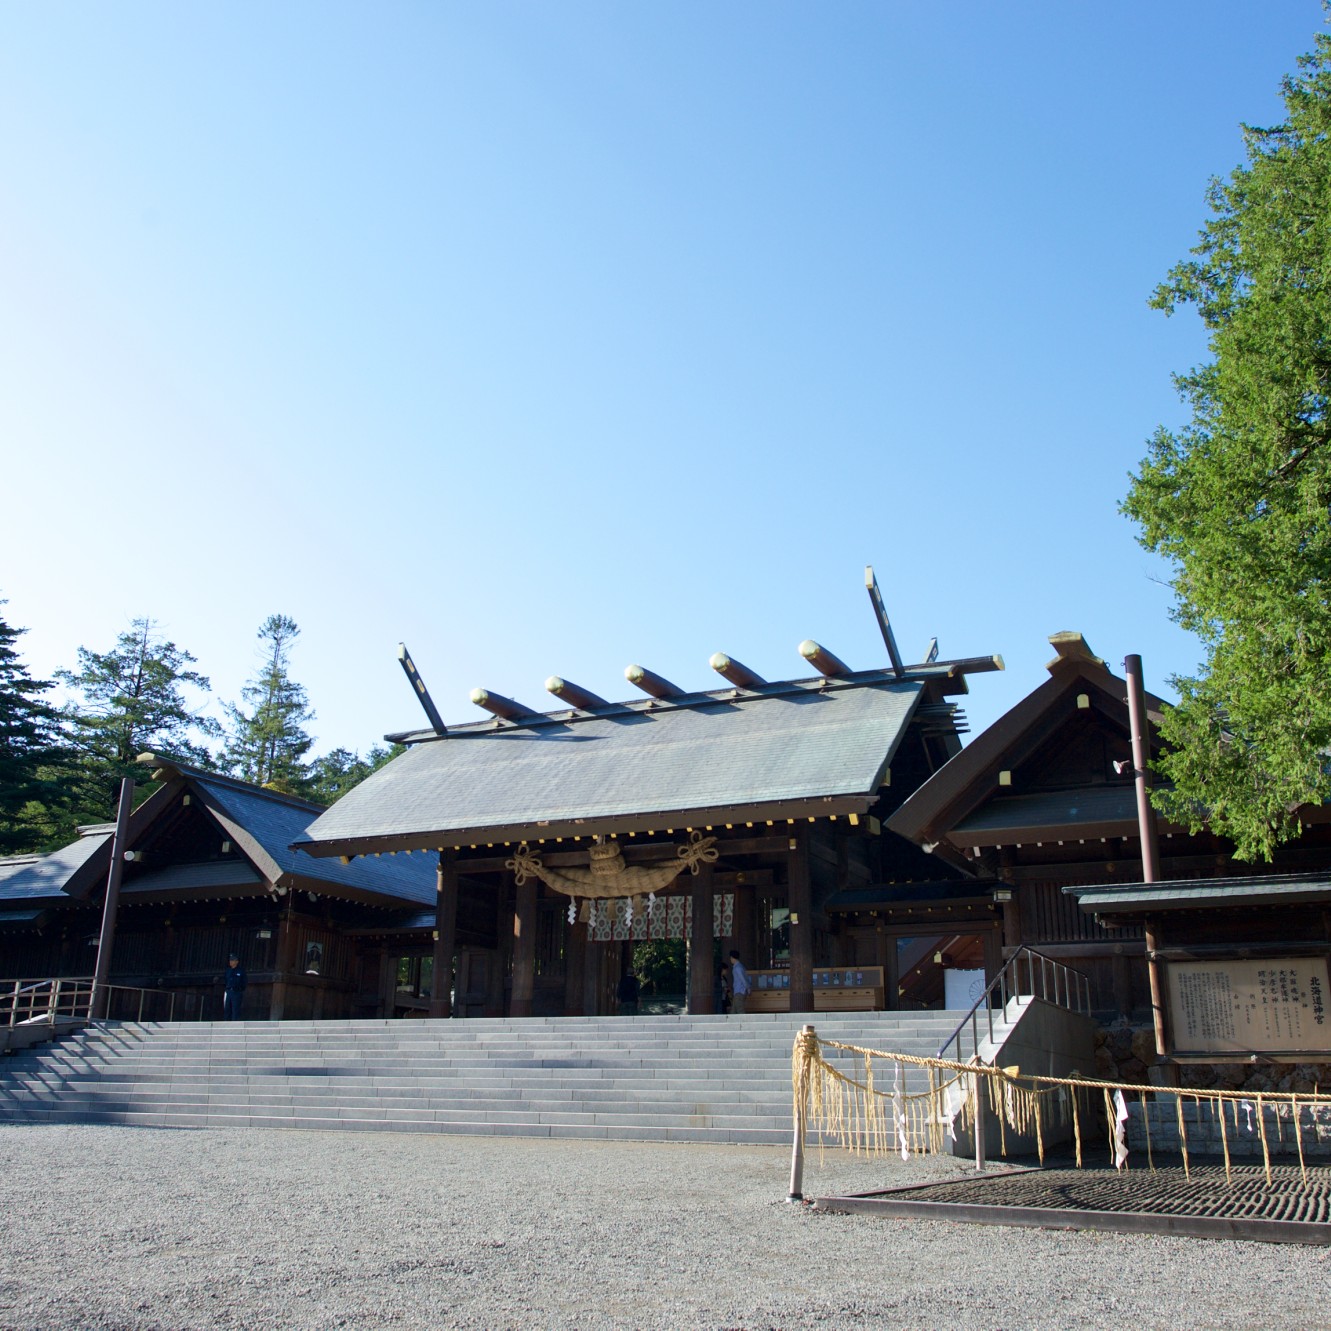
1239,500
330,776
132,701
268,743
35,758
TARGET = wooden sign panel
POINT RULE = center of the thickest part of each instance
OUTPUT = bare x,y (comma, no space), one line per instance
1268,1006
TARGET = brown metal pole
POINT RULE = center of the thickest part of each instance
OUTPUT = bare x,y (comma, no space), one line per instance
1132,669
101,975
445,935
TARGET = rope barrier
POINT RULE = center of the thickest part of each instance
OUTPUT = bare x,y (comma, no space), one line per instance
855,1113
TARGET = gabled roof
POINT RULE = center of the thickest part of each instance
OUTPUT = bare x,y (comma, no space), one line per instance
261,824
963,804
68,871
802,747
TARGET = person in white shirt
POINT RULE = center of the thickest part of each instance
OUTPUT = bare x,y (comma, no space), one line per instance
739,983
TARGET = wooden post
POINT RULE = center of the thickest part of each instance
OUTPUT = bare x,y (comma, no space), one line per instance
575,967
524,950
800,904
977,1101
445,935
286,960
702,964
101,994
592,986
796,1193
745,935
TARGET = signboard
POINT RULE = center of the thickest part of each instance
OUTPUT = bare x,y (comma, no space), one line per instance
1276,1005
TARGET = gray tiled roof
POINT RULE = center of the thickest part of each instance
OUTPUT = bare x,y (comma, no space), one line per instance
807,742
276,822
50,875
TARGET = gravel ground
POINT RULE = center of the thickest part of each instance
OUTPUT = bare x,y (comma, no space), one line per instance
116,1229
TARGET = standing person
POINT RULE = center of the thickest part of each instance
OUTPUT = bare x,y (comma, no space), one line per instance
628,995
233,988
739,984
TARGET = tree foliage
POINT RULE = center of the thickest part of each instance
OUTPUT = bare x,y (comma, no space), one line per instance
331,776
1240,499
132,700
268,743
35,758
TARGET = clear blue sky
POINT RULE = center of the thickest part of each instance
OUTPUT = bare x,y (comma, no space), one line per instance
551,337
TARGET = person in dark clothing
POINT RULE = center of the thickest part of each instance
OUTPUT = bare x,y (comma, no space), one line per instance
233,988
628,995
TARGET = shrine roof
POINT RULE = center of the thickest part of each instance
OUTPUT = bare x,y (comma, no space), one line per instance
808,746
1195,894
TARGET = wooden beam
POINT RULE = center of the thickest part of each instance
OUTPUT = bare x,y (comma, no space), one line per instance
648,852
501,706
574,694
829,667
652,684
736,671
418,688
884,624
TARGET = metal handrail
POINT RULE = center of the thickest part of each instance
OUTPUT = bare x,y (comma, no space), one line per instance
1075,996
68,997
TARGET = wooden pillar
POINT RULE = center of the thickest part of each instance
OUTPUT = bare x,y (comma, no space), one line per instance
387,982
286,961
887,959
992,942
524,950
799,900
701,961
592,977
575,966
445,935
746,935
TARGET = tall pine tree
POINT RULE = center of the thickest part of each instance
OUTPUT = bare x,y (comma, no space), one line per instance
132,701
35,758
267,744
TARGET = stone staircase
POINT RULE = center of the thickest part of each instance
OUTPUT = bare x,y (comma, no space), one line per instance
716,1079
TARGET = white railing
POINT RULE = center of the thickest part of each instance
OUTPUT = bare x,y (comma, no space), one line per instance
69,998
1044,978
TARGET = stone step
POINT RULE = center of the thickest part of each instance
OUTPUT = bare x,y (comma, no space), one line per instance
702,1079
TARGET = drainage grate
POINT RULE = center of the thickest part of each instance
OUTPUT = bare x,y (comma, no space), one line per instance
1205,1204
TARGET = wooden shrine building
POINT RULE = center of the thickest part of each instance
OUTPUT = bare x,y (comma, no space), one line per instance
210,871
732,818
1044,800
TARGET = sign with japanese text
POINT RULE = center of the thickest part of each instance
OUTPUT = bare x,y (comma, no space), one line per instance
1275,1005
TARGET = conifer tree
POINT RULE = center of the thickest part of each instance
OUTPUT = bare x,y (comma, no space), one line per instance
34,756
133,701
267,744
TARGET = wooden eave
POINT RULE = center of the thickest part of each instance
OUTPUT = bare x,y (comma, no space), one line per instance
676,821
966,781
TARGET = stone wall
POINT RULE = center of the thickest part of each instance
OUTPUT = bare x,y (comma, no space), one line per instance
1126,1053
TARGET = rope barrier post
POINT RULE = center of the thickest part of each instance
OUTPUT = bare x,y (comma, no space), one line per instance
796,1193
979,1121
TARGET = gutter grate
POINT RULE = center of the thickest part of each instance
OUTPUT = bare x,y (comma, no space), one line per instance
1204,1204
